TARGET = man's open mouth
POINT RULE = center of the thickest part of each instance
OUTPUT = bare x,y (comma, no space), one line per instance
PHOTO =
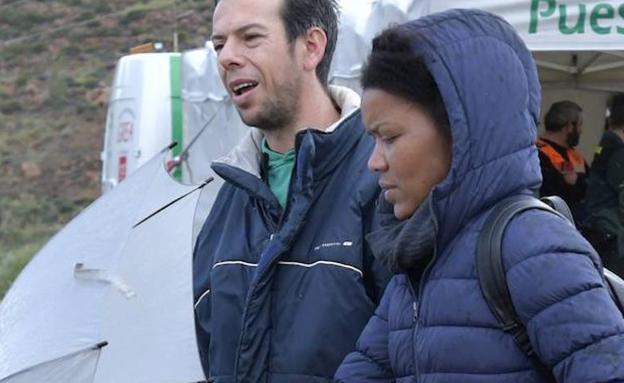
243,88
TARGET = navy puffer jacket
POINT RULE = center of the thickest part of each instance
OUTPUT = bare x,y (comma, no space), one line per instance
282,296
437,327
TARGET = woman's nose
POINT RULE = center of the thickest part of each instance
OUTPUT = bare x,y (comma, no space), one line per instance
377,161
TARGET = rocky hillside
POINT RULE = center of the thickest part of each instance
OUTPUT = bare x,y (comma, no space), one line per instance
57,59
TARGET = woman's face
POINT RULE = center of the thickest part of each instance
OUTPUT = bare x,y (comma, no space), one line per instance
411,154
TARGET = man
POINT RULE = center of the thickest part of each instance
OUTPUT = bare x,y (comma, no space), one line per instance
564,169
283,280
605,191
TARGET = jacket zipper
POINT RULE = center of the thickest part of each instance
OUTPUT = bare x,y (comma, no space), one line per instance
275,227
418,293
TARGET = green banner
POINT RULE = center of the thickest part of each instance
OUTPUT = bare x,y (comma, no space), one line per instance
176,110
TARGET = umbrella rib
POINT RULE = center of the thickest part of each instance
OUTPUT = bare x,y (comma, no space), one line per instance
94,347
174,201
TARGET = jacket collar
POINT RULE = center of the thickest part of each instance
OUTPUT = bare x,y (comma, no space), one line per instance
247,155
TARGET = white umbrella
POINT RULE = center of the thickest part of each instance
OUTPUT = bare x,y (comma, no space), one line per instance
107,300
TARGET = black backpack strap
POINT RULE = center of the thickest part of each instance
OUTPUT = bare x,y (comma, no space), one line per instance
492,276
559,205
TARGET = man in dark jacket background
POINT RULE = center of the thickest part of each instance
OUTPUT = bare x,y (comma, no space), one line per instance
605,196
564,169
283,280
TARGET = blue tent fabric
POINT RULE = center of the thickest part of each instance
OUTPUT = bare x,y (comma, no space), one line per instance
284,298
437,326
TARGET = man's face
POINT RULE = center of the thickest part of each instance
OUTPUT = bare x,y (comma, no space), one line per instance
258,66
574,134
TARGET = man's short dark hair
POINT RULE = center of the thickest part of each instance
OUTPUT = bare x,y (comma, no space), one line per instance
394,67
616,112
301,15
560,114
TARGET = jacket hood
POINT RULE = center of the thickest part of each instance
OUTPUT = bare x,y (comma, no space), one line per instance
489,84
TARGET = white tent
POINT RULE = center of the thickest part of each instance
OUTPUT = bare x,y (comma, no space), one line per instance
578,45
589,35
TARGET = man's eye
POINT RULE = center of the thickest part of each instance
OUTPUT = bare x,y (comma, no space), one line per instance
390,139
252,37
218,47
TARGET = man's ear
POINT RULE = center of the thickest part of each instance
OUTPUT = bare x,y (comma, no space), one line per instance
315,42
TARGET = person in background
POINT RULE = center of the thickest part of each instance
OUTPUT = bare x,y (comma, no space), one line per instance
444,161
283,279
564,169
605,191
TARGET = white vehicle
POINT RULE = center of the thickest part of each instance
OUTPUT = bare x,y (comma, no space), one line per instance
161,98
144,113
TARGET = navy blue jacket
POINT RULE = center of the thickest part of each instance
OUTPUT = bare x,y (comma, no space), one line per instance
283,296
437,327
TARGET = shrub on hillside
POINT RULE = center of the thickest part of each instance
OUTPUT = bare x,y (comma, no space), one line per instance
132,16
13,261
13,51
22,80
10,106
71,3
23,20
102,7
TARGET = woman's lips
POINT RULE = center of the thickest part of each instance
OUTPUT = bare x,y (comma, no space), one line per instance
387,193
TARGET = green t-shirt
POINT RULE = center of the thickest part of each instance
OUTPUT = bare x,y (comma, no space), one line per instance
279,171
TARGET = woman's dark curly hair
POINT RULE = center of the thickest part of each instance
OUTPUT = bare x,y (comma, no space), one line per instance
394,67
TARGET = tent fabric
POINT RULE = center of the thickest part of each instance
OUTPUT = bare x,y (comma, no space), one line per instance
544,25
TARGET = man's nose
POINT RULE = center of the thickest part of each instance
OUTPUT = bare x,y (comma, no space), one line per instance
377,161
229,56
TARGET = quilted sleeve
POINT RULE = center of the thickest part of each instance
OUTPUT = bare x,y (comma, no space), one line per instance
370,361
557,289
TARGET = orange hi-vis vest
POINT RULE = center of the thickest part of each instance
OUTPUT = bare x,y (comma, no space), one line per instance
574,162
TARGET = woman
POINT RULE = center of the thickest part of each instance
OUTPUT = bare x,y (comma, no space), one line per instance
452,101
